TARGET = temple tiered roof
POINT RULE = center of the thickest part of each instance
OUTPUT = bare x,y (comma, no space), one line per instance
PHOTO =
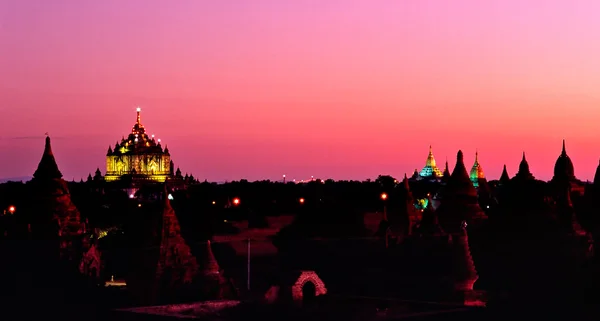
524,173
430,168
137,142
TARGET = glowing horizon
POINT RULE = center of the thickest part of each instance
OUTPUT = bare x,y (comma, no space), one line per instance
306,88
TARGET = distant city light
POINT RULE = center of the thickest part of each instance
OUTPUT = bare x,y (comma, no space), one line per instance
12,209
213,202
236,201
131,196
301,200
139,205
384,196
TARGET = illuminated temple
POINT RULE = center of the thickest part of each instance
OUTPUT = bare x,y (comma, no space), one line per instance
139,157
431,168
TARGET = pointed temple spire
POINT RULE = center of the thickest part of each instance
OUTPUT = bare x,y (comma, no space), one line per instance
504,178
138,120
446,175
47,168
476,171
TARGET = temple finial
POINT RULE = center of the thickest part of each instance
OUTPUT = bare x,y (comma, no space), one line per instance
476,155
138,110
564,149
524,160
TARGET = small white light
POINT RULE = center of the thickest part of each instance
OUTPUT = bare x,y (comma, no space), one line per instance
131,196
170,197
159,140
487,206
136,140
138,109
152,135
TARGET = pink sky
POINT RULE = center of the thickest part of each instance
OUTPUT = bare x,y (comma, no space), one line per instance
335,89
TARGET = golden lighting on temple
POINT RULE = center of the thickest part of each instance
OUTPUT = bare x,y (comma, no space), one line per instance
139,156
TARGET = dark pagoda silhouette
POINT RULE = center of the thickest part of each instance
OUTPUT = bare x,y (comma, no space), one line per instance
459,200
41,264
53,217
162,266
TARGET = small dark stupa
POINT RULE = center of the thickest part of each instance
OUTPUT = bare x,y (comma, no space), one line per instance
524,173
504,178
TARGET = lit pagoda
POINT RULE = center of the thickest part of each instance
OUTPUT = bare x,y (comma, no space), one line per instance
476,173
431,168
139,156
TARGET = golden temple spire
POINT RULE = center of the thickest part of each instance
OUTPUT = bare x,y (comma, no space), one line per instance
138,120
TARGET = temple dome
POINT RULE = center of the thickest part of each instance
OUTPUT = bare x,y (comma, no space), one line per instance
476,171
563,168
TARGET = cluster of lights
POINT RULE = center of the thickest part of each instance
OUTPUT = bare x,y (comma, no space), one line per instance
10,210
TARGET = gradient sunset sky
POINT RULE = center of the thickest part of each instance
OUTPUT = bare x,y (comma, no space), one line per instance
334,89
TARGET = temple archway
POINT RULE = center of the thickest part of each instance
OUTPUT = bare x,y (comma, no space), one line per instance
308,282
